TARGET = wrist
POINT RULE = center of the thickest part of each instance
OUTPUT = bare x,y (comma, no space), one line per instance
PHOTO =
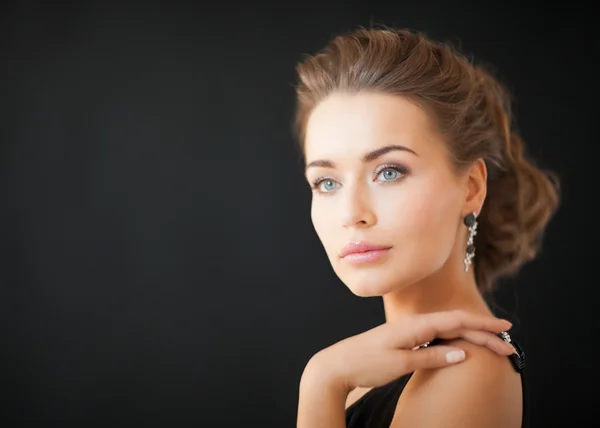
319,375
322,398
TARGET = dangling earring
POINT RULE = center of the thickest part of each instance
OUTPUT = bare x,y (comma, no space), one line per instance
471,222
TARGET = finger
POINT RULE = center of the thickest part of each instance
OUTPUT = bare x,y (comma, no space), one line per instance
432,357
489,340
425,327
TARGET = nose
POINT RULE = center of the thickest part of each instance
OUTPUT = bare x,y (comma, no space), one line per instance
357,209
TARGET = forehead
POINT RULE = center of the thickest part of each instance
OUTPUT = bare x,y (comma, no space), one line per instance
348,124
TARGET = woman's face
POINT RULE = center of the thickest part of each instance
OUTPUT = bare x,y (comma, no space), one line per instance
381,174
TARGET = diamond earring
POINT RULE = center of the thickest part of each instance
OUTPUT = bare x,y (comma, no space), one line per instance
471,222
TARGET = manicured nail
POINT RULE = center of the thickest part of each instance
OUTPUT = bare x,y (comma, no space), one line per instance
508,323
455,356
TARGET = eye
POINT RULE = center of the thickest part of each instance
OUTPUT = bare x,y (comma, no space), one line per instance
391,172
324,185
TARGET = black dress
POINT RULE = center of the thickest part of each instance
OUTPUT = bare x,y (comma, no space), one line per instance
376,408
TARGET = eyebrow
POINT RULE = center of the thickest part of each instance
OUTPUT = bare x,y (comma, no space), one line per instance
368,157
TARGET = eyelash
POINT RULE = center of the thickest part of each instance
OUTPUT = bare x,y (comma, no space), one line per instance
394,167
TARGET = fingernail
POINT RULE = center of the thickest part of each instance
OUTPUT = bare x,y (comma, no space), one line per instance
455,356
508,323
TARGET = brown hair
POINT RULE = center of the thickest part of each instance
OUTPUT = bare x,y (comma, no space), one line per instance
472,111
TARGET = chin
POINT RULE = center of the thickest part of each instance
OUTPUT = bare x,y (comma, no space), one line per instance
379,282
366,292
371,284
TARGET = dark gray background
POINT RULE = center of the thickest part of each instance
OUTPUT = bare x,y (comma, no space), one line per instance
160,267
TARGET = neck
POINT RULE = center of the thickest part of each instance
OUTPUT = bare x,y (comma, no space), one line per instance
447,289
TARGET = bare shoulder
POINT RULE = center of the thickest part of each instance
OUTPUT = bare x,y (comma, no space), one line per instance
484,390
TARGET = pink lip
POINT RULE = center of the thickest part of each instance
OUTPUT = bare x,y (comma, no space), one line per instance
363,252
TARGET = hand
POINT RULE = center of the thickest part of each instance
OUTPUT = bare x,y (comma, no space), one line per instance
385,353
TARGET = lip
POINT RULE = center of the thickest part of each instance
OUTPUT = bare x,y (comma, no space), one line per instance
362,248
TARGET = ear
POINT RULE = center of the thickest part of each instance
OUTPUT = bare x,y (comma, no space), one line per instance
476,188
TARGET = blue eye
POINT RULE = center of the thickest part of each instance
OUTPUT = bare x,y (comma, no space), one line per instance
326,184
391,172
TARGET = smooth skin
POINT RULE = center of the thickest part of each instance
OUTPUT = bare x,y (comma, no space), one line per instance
387,352
381,172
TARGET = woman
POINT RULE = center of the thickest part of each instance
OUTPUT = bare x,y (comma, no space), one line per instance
421,195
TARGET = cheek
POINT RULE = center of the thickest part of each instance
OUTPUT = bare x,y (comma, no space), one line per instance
424,218
435,209
322,223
